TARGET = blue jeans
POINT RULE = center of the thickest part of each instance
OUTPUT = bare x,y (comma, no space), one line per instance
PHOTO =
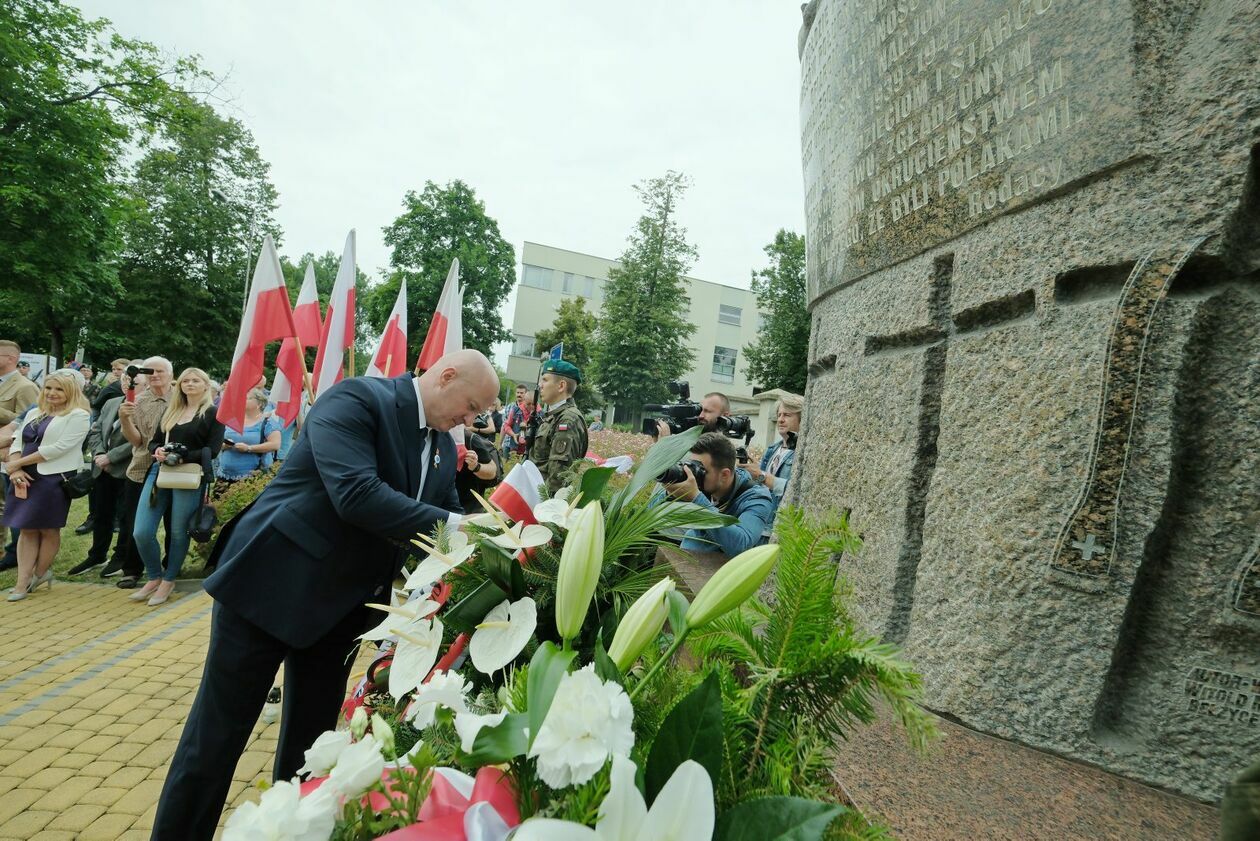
183,505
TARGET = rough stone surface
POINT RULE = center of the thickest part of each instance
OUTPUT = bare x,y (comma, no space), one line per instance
960,354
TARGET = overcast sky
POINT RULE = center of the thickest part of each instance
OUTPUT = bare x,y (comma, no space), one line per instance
550,111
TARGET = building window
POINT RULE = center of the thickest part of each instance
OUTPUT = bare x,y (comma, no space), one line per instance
729,315
536,276
724,364
761,322
588,287
523,345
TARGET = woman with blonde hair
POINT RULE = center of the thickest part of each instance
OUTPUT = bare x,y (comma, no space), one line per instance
776,465
51,437
189,433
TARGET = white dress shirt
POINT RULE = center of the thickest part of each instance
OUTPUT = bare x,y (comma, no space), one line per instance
452,518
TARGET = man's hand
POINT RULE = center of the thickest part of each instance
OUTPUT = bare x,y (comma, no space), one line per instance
662,429
126,410
470,460
755,472
101,461
686,490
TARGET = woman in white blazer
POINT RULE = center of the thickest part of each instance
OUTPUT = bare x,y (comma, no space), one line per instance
48,445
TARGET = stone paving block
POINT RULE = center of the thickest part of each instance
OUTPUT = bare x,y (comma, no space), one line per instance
8,755
75,761
155,755
27,824
122,752
9,783
139,798
33,762
54,835
103,768
70,717
48,779
76,818
68,739
129,777
107,827
67,794
103,795
14,803
97,744
35,737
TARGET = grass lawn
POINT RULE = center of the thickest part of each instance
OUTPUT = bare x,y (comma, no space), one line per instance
74,548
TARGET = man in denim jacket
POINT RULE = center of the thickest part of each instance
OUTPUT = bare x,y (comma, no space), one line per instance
729,490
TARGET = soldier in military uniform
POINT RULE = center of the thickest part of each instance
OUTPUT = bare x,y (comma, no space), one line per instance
561,437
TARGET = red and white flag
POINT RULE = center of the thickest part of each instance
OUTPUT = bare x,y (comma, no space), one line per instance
518,493
286,391
446,334
338,332
390,358
267,317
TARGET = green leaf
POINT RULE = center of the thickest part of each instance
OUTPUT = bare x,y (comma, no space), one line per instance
678,605
593,483
776,819
472,609
549,665
502,568
666,452
605,668
501,743
692,730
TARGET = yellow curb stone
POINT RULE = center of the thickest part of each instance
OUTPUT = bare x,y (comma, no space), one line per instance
77,817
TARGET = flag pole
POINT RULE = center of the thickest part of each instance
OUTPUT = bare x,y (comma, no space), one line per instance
352,368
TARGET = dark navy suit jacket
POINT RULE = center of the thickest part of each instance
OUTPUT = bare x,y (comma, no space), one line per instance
328,533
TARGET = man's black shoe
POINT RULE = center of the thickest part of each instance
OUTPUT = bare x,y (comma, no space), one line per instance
8,563
128,582
112,568
86,527
84,566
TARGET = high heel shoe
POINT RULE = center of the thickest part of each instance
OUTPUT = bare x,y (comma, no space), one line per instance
144,592
46,578
16,595
162,593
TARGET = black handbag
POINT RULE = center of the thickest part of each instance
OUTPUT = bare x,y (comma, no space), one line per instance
78,484
203,521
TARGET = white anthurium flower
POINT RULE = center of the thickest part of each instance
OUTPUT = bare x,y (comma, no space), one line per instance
322,755
408,617
283,814
521,536
503,634
444,689
589,721
683,811
414,656
358,767
468,725
559,509
438,563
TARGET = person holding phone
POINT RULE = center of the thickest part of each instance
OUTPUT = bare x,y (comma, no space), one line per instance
252,449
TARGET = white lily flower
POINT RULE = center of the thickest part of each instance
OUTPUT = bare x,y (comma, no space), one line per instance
406,617
589,721
503,634
559,509
322,755
521,536
683,811
414,656
283,814
468,725
439,563
444,689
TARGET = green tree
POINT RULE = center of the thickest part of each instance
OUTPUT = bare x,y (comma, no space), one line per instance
438,224
575,327
777,357
641,342
73,93
201,201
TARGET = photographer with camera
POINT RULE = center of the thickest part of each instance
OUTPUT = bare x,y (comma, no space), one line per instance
776,465
712,479
712,408
189,434
561,437
146,386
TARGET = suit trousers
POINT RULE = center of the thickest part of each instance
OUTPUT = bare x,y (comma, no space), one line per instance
107,497
241,665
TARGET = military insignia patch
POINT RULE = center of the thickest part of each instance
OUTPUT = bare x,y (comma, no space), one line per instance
564,427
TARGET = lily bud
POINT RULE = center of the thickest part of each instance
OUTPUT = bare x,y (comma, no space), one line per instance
383,735
733,584
581,560
358,723
641,624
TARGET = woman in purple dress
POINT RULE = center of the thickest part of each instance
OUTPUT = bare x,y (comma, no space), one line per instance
51,439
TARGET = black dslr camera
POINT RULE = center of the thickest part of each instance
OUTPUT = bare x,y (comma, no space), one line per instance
176,453
738,426
679,416
674,475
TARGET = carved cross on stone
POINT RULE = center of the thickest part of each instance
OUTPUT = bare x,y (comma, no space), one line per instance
933,342
1088,547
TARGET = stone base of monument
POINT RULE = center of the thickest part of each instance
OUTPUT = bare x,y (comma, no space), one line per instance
969,785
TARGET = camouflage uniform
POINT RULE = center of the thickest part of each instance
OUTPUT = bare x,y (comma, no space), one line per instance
561,441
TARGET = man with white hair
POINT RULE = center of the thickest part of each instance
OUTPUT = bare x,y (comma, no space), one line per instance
373,468
139,421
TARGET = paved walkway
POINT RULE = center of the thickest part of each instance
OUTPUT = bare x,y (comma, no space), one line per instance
94,690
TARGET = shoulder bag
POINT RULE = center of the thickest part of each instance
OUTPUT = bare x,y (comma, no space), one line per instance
179,477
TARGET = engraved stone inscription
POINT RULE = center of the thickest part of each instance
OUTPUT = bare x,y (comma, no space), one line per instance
924,118
1225,696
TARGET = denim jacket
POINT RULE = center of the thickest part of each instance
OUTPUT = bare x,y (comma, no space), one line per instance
754,508
784,472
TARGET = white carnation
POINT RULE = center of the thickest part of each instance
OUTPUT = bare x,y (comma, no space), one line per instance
282,814
589,721
322,756
358,767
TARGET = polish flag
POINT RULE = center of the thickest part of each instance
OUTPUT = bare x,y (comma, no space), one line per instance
338,332
267,318
390,358
518,493
286,391
446,334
